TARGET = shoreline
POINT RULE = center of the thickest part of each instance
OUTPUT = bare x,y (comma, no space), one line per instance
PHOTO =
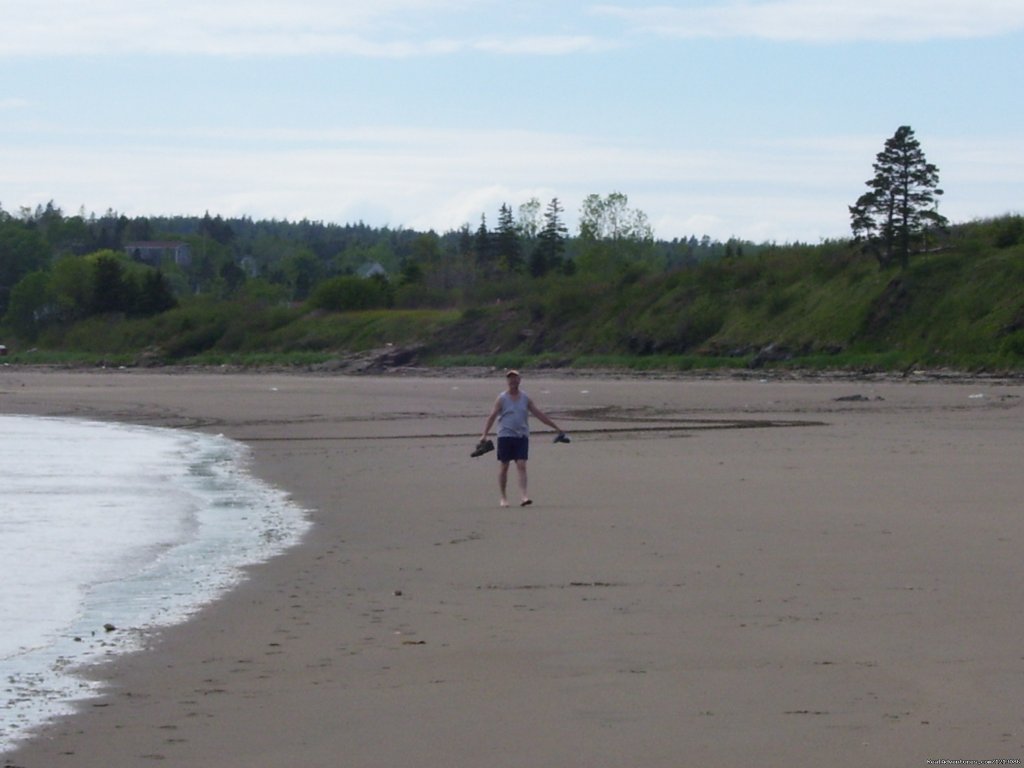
760,374
680,592
201,520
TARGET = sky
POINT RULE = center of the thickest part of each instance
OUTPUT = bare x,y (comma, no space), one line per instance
754,119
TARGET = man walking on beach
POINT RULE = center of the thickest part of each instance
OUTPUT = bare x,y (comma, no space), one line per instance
511,411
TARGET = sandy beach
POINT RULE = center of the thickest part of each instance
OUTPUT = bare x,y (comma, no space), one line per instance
715,572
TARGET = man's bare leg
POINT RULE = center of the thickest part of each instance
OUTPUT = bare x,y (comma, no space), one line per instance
521,470
503,482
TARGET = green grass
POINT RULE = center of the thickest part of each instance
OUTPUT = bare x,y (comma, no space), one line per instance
66,358
261,359
358,331
819,307
583,362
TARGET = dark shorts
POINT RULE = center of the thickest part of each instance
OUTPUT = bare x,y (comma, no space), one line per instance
513,449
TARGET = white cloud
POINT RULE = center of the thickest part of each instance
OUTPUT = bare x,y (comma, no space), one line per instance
828,20
381,29
543,45
427,180
797,189
410,28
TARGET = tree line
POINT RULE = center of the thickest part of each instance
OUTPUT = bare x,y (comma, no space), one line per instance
58,268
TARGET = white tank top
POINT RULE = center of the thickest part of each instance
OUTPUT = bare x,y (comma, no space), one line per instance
513,419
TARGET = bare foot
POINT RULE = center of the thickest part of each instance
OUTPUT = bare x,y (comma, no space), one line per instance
503,503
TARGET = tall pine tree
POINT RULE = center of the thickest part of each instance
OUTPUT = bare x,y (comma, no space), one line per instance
483,248
506,241
894,216
548,255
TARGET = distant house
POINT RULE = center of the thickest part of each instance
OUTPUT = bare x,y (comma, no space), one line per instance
153,252
250,266
370,269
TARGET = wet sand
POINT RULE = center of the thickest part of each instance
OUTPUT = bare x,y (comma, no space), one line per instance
714,572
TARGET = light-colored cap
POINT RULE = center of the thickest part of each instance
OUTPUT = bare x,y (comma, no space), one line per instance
511,372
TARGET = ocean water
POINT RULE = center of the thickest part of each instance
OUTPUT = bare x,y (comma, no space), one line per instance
115,526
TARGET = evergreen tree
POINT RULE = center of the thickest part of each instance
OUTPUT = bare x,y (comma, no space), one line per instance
113,290
465,241
216,229
483,248
155,295
548,254
894,216
506,241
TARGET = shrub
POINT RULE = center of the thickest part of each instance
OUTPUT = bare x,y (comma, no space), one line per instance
417,295
1009,231
346,293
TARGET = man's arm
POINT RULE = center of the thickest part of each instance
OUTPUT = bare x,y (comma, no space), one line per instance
490,419
542,416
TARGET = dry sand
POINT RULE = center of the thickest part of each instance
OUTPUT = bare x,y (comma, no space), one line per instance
714,572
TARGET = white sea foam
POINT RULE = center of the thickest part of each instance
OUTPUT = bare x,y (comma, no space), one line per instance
114,525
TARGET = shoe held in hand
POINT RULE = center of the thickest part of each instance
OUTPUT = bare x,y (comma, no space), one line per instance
484,446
